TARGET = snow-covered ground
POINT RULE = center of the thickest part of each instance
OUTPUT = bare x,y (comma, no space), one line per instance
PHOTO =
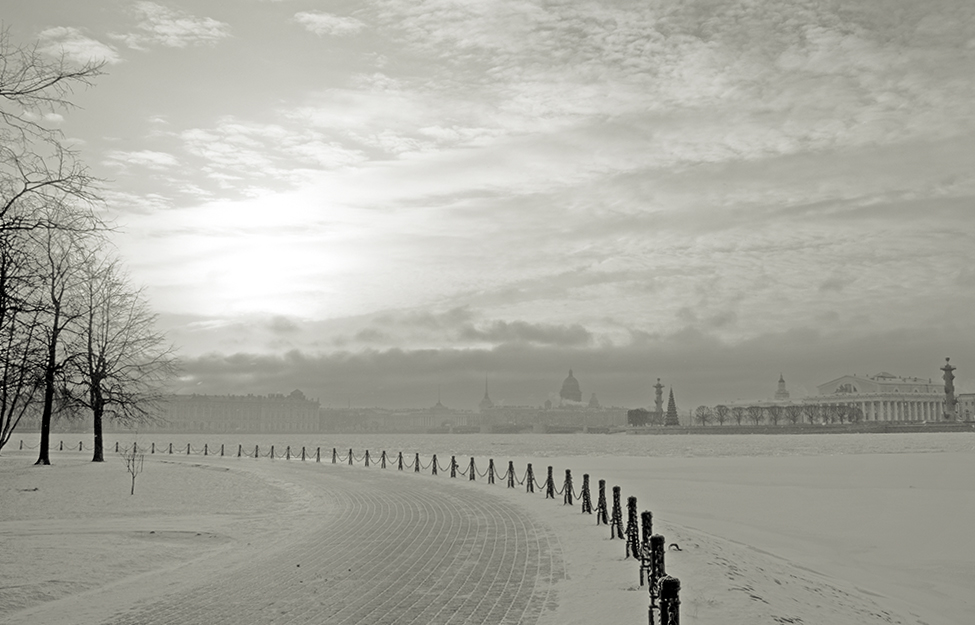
831,529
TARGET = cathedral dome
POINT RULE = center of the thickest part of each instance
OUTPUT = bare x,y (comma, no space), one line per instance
570,389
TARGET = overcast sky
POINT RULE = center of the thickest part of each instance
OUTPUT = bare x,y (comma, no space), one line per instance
372,199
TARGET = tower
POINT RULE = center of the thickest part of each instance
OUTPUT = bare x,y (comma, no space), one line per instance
781,393
486,403
659,397
950,400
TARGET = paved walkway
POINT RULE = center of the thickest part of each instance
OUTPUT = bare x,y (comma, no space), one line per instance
391,548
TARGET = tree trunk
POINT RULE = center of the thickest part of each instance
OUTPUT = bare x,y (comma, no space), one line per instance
99,455
43,457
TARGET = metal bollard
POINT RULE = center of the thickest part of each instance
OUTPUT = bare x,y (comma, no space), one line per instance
350,456
187,449
256,452
416,463
616,522
669,601
586,498
152,450
601,505
335,455
382,460
170,449
511,474
240,450
529,479
287,452
302,454
646,520
272,452
116,445
205,450
61,446
549,485
453,466
491,471
367,457
567,488
632,529
318,454
221,450
434,463
153,446
399,461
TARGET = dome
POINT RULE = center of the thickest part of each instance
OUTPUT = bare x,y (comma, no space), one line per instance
570,389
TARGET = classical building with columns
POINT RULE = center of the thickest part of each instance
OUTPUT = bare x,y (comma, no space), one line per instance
885,397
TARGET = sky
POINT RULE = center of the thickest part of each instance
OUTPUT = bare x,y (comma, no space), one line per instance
383,202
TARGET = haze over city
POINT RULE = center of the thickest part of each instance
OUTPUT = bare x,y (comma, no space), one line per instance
388,198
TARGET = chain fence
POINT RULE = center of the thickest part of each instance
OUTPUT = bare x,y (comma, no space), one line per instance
640,543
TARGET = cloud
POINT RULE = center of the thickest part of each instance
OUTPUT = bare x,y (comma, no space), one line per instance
523,332
74,45
142,158
172,28
328,24
701,368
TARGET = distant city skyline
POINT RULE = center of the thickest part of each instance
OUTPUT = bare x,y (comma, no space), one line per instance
371,200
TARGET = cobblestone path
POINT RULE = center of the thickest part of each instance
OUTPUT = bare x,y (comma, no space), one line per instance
391,549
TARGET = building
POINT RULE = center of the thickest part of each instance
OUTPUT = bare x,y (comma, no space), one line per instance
884,397
237,413
966,407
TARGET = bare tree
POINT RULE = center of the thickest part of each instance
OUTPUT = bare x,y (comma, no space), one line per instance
738,413
62,254
721,413
119,361
134,462
702,414
793,412
812,412
755,414
20,343
37,166
774,413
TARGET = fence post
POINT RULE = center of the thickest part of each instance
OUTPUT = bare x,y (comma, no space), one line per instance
383,460
22,445
601,505
399,461
567,487
511,474
473,470
152,449
287,452
187,449
453,466
646,524
586,498
549,485
491,471
61,446
669,601
170,449
632,529
116,445
616,522
302,453
416,463
367,457
240,450
350,456
256,451
529,479
221,450
335,455
656,572
318,454
434,463
272,452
